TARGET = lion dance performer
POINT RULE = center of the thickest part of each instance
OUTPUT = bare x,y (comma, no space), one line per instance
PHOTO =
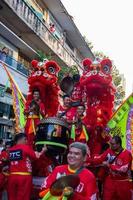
42,99
42,102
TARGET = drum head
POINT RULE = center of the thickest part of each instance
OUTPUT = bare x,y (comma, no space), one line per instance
67,85
54,120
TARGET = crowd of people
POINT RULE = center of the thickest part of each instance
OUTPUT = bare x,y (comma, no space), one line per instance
105,176
115,165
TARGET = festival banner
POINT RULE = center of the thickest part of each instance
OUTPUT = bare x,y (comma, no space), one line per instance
121,124
18,101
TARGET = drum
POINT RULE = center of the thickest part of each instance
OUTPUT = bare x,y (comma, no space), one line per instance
53,132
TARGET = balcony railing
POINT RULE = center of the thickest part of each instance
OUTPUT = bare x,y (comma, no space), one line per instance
24,11
14,64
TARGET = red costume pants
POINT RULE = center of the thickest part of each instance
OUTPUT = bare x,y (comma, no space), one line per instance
117,189
2,181
19,187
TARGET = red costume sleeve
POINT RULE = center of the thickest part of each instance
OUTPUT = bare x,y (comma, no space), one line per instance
50,179
29,152
26,109
99,159
125,164
4,155
42,109
91,192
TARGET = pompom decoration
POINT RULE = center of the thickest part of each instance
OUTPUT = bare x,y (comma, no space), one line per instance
86,63
34,64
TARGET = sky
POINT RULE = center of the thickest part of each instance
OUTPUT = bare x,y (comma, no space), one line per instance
108,24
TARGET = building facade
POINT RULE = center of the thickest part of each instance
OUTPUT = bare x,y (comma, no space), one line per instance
25,27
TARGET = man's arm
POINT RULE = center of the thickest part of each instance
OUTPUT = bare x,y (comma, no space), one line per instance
34,154
91,190
126,163
99,159
49,180
42,110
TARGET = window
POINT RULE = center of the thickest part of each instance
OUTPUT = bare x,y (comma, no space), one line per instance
4,110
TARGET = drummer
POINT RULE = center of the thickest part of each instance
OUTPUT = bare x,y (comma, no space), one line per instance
78,95
32,111
66,111
79,131
86,190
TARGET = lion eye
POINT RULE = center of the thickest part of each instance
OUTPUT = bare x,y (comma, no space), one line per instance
51,70
106,69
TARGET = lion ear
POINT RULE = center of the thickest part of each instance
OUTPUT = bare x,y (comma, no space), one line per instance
34,64
86,63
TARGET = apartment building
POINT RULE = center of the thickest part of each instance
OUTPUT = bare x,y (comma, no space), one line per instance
25,27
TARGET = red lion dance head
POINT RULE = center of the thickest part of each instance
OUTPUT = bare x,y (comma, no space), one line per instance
44,79
100,91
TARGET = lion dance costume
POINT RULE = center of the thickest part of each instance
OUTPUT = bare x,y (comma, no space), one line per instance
100,97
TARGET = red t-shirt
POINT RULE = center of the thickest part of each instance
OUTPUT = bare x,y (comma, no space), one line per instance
77,93
20,157
86,190
41,106
69,113
4,162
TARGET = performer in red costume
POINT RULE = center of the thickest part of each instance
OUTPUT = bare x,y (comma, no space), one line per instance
44,78
117,184
76,157
20,178
4,166
79,131
2,180
65,111
33,111
78,94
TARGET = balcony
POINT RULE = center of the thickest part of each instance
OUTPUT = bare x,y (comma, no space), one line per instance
12,63
23,10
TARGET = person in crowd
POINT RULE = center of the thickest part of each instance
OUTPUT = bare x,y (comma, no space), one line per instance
86,190
78,95
4,167
66,111
20,178
79,131
117,164
4,53
33,111
2,179
52,28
